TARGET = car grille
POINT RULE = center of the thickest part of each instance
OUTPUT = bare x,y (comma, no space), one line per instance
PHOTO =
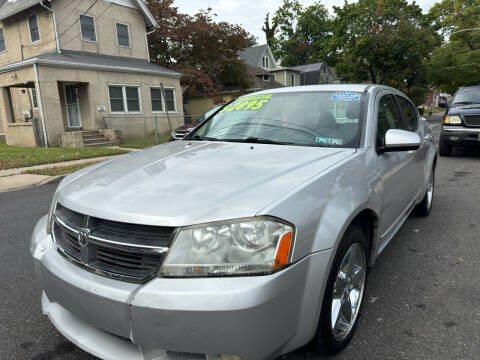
124,251
472,120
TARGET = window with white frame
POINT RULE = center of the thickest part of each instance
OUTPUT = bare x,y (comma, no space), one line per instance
33,26
123,35
265,62
124,99
2,41
87,26
33,93
266,78
158,101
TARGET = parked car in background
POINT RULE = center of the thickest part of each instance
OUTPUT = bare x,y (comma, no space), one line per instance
180,132
461,122
246,240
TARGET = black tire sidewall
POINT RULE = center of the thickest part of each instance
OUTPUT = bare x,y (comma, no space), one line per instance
324,341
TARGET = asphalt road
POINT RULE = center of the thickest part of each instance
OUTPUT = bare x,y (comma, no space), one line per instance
422,299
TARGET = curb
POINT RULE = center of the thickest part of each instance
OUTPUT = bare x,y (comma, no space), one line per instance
51,180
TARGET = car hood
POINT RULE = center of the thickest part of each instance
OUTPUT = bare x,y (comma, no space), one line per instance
182,183
186,127
464,110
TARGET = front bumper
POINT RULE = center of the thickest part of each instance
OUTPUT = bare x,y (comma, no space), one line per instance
460,136
257,317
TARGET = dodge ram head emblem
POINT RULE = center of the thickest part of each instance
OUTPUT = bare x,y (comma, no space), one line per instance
83,236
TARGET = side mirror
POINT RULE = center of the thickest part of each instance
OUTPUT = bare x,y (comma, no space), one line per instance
401,140
442,104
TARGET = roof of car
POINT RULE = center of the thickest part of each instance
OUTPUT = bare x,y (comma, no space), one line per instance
473,87
329,87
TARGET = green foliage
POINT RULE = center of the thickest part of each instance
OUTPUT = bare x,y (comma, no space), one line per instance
385,42
455,63
303,33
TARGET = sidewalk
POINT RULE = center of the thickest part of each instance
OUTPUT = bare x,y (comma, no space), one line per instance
11,179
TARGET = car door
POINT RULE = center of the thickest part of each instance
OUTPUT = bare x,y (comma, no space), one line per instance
396,169
410,116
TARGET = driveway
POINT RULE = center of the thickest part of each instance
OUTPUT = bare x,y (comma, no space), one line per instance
422,300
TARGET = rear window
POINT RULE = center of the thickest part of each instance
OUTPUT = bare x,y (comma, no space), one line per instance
324,118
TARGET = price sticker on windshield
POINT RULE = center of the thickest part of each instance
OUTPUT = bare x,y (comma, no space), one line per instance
252,102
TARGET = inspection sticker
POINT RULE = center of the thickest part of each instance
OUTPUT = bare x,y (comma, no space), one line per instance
346,96
252,102
328,141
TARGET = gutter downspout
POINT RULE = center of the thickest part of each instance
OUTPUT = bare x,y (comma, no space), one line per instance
54,25
146,41
40,104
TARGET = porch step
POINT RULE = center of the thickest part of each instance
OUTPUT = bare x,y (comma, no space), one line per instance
98,143
94,138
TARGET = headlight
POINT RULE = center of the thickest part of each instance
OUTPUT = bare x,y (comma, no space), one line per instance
239,247
452,120
50,214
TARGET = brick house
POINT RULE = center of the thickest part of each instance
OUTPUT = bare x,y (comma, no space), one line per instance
66,65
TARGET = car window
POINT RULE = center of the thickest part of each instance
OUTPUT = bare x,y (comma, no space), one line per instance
332,120
409,114
388,118
467,96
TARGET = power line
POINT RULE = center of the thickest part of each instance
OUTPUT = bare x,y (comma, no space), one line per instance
65,31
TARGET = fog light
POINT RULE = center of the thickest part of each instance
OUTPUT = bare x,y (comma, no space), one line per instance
230,357
454,138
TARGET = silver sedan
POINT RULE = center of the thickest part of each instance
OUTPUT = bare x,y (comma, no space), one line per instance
246,240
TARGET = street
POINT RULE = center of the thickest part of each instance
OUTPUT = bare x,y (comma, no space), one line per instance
422,299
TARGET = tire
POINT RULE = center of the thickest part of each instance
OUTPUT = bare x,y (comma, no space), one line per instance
328,340
423,209
444,148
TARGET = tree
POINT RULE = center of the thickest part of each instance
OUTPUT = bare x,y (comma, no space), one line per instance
455,63
270,31
303,33
385,42
205,52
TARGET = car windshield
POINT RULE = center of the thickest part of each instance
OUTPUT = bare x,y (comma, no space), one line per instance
208,113
321,118
467,97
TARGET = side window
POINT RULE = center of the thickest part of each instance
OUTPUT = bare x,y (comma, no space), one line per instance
388,118
408,113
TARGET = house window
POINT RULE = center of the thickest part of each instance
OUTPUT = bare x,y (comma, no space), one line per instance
292,76
2,41
33,26
156,95
158,100
265,62
33,93
123,35
87,26
124,99
266,78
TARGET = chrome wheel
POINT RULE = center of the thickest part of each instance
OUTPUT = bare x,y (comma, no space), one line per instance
430,187
348,292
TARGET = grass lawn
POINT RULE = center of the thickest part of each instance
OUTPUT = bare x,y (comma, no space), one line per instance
59,170
14,156
143,142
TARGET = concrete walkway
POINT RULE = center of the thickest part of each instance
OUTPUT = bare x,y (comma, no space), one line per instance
11,179
16,171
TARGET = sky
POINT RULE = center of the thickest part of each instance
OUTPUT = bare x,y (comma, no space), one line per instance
250,14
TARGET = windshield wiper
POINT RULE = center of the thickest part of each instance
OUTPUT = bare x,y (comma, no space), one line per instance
202,138
257,140
466,103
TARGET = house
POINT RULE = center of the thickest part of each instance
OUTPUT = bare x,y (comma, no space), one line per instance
260,79
77,73
314,74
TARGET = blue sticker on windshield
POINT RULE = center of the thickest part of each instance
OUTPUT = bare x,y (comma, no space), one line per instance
346,96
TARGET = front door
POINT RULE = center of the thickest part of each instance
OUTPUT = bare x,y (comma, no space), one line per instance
72,104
